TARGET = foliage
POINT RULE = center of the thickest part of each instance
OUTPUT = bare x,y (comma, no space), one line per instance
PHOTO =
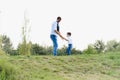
25,46
118,47
62,51
74,51
48,50
82,67
6,44
37,50
7,70
99,46
1,51
89,50
15,52
113,45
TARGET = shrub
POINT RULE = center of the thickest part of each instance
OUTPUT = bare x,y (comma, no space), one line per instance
7,70
62,51
90,50
37,50
112,45
75,51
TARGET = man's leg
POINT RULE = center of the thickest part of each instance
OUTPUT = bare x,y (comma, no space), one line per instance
55,44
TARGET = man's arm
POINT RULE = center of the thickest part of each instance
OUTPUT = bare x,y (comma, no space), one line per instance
60,35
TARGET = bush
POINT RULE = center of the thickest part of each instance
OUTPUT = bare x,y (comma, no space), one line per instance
7,70
89,50
49,50
37,50
75,51
62,51
14,52
112,45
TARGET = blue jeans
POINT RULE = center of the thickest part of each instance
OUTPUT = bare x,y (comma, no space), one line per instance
55,44
69,49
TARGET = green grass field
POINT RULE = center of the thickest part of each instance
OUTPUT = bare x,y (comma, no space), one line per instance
76,67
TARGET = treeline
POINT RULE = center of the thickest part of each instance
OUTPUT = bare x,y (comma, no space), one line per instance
25,48
35,49
100,47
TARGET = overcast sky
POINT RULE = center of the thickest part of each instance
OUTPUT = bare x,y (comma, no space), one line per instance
87,20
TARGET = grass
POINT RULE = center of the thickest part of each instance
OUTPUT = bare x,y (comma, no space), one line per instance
76,67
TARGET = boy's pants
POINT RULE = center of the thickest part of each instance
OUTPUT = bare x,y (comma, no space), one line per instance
69,49
55,44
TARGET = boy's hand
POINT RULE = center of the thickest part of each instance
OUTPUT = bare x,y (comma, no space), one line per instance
63,38
66,39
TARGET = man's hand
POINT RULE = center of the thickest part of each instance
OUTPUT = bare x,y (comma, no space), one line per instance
60,35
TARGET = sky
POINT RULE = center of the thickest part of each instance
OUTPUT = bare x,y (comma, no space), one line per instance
87,20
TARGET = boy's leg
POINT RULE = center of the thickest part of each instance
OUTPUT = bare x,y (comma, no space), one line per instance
55,44
69,49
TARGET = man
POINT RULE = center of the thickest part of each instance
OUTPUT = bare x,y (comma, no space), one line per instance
55,30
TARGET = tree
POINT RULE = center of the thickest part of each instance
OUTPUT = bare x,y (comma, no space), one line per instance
112,45
6,44
1,51
118,47
99,46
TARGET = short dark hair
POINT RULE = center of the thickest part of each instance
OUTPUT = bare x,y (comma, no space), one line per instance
69,33
58,17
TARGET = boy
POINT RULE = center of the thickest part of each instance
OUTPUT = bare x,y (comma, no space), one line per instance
69,43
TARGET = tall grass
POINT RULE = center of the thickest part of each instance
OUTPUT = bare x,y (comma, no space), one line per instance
75,67
7,70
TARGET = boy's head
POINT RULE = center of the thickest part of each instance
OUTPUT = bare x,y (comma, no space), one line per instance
68,33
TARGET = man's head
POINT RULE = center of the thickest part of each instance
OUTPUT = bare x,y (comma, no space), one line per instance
58,19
